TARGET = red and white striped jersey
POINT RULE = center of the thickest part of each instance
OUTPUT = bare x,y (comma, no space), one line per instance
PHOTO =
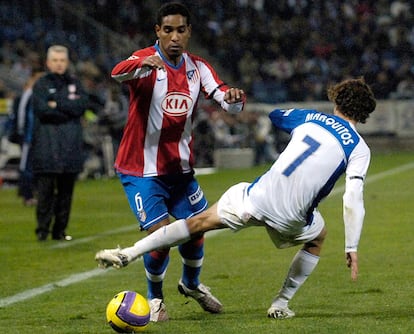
158,137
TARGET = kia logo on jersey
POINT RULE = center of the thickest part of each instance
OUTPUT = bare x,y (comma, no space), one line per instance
177,104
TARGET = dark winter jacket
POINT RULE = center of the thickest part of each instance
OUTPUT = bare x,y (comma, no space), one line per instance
57,134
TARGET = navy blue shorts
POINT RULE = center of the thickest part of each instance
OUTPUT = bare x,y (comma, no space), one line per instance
153,199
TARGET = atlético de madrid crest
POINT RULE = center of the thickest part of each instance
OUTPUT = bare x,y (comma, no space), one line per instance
192,75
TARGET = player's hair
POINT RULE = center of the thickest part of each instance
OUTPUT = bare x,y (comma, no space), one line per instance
353,98
57,48
172,8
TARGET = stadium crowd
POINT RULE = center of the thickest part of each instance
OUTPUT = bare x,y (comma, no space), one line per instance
290,50
276,51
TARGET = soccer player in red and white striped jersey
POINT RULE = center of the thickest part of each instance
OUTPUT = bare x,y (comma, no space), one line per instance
155,158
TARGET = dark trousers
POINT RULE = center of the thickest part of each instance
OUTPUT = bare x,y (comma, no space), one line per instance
54,202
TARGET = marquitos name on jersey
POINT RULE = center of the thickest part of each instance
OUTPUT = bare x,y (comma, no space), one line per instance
343,132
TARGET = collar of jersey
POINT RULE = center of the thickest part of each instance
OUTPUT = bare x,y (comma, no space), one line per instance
166,60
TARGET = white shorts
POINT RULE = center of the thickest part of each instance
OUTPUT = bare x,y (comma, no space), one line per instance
235,211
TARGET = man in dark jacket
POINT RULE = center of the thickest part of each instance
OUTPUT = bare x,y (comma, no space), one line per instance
59,102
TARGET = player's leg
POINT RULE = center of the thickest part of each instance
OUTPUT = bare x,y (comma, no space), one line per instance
189,285
301,267
187,201
228,212
146,197
192,254
170,235
156,263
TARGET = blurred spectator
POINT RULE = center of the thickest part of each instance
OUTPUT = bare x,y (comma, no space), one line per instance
115,113
23,110
59,101
405,88
264,140
203,140
224,129
248,68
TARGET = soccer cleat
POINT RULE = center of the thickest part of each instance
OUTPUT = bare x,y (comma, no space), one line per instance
280,313
111,258
158,310
203,296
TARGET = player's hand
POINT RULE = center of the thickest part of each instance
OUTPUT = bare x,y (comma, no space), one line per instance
154,62
352,262
233,95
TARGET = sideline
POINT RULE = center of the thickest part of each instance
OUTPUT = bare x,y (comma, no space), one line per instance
79,277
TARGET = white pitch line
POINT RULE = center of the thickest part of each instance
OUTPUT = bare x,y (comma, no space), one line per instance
96,236
79,277
27,294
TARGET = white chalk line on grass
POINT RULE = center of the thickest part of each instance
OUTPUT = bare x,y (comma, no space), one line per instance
96,236
79,277
27,294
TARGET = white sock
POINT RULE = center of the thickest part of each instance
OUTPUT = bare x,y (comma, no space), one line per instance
301,267
167,236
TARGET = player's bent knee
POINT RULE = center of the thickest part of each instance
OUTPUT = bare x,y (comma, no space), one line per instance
314,246
322,235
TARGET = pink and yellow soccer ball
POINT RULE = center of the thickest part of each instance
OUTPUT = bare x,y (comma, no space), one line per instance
128,312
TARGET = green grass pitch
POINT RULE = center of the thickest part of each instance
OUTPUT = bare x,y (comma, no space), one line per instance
55,287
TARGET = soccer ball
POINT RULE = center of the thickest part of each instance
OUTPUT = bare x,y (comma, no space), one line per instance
128,312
